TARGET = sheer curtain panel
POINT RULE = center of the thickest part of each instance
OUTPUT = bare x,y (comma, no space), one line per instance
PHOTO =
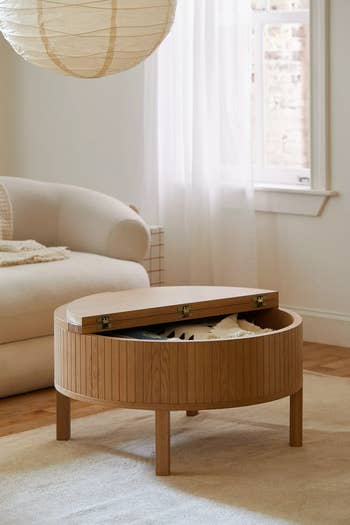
198,144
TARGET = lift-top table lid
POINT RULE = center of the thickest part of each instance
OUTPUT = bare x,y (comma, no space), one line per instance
146,306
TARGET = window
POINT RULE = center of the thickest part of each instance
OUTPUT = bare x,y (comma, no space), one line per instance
281,92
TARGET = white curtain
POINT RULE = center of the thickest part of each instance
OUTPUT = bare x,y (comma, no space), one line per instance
198,144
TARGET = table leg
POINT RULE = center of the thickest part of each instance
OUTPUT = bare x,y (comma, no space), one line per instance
191,413
296,419
62,417
162,442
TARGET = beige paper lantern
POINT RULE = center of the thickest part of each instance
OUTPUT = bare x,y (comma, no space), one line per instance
86,38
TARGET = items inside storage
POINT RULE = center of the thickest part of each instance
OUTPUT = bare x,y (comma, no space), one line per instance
242,325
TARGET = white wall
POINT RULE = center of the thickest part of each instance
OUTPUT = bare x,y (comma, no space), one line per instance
90,133
308,259
6,146
85,132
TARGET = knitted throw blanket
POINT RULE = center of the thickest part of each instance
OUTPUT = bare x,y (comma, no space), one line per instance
26,252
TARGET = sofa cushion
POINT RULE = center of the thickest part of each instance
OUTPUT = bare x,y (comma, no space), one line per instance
29,294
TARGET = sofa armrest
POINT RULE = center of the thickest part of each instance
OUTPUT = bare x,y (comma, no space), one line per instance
81,219
93,222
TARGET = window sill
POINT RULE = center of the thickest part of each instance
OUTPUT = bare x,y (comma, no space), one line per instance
292,200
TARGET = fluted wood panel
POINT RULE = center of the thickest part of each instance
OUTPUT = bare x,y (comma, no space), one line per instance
179,375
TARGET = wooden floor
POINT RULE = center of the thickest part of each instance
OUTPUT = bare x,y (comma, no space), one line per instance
326,359
37,409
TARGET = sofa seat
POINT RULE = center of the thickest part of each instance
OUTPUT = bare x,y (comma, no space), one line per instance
30,293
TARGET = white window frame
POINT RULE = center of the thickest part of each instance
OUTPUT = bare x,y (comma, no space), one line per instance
320,19
311,199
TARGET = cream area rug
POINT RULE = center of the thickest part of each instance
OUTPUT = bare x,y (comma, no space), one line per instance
229,467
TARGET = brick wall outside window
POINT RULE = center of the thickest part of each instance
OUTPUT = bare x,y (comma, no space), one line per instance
283,60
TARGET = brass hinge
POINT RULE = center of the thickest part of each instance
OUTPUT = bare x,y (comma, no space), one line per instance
103,322
259,301
184,310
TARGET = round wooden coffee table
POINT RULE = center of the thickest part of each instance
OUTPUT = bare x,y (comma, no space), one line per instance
180,375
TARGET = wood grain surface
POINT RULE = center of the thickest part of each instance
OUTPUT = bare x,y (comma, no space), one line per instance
181,375
37,409
146,306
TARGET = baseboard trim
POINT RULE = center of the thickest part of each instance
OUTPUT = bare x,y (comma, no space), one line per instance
324,326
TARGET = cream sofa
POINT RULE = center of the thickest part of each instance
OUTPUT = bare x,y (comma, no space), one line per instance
108,241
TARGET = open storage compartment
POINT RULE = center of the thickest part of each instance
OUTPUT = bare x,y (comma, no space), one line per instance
240,325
